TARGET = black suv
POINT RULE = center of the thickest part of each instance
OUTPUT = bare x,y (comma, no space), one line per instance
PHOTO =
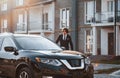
29,56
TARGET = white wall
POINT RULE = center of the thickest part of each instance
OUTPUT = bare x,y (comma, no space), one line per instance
104,41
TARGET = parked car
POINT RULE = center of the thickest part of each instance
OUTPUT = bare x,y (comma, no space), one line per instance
29,56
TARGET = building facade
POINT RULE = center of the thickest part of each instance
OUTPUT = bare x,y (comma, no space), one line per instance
6,16
98,27
35,17
92,23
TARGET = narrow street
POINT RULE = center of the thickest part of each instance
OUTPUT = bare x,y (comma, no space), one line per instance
106,66
105,76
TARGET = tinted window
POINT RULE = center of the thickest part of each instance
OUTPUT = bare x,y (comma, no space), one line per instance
7,42
1,41
36,43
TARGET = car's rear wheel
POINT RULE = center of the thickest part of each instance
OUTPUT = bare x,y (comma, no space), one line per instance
73,76
24,73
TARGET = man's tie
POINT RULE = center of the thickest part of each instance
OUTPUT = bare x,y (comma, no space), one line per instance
64,37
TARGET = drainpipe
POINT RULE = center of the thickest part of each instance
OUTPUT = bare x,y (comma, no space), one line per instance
115,25
74,27
27,28
94,11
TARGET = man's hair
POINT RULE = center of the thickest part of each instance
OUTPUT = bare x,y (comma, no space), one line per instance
66,30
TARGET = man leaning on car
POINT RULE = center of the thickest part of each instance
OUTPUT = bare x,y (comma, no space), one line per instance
65,40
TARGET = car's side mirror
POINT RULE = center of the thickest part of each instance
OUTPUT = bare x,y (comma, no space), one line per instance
11,49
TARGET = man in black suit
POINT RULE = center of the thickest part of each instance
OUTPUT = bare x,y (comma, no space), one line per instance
65,40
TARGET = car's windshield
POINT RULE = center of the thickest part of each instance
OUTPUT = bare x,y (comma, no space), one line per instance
36,43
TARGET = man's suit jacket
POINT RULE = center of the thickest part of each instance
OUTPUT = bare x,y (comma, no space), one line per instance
65,43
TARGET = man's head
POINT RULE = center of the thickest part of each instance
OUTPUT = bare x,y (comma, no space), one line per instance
65,31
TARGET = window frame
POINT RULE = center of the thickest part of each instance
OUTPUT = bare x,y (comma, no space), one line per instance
21,22
5,23
4,5
45,23
64,18
19,2
86,12
110,6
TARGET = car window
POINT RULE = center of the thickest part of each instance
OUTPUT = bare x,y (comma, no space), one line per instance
7,42
36,43
1,41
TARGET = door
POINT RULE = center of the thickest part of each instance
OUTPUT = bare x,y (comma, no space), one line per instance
7,58
1,40
110,44
89,41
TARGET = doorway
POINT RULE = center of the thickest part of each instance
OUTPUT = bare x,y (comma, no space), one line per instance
110,44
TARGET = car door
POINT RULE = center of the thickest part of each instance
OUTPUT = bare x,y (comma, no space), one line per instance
7,58
1,40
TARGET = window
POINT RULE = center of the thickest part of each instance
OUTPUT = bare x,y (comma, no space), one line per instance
20,18
90,8
5,23
45,21
89,41
118,13
64,18
110,6
1,41
119,5
3,5
7,42
20,24
19,2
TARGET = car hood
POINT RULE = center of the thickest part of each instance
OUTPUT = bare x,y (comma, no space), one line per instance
66,54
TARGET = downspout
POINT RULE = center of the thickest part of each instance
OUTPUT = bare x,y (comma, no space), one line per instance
94,10
27,30
115,25
74,27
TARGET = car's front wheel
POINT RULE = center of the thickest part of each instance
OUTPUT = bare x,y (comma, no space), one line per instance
24,73
89,76
60,76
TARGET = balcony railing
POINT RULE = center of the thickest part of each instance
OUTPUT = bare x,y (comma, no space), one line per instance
34,26
105,17
21,27
38,26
